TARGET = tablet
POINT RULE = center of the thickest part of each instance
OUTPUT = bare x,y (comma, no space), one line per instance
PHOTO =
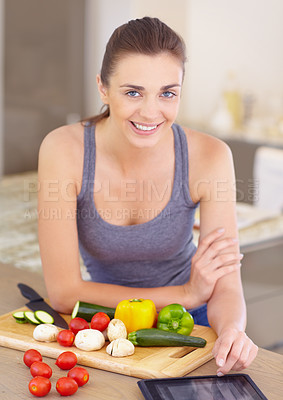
211,387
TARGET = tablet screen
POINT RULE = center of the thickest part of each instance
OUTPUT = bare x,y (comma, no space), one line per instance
228,387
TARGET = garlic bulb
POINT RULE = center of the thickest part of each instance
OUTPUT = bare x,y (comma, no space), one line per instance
89,339
45,333
120,348
116,329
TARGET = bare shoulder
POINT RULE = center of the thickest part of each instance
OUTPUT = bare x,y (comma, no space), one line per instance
63,148
210,159
65,138
206,146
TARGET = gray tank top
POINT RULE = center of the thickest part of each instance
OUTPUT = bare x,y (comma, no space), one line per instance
150,254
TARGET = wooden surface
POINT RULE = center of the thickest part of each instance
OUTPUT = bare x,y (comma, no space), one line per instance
266,370
146,362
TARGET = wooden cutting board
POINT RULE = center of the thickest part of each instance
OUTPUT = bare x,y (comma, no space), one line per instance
146,362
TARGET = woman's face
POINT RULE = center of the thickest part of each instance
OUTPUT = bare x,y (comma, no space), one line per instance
143,96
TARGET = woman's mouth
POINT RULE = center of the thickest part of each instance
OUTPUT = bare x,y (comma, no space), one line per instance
144,129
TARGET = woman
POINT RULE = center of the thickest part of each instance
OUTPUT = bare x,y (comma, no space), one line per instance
122,189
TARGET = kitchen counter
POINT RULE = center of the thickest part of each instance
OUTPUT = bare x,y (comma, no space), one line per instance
18,225
266,370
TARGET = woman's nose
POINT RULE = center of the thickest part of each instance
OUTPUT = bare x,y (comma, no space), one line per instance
149,109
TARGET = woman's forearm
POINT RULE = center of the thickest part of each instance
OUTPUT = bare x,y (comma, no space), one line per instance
227,310
109,295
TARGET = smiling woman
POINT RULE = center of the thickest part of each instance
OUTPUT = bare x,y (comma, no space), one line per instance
134,179
144,109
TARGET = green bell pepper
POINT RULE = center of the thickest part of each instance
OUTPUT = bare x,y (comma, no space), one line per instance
175,318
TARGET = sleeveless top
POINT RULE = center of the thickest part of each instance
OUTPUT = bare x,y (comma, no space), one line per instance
155,253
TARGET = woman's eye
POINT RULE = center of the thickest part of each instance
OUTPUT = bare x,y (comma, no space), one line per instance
133,93
168,94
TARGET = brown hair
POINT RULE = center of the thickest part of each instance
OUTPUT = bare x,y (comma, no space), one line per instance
148,36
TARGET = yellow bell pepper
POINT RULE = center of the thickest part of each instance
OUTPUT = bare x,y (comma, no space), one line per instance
136,313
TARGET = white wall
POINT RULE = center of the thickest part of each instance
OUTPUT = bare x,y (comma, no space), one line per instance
1,86
101,18
173,15
244,36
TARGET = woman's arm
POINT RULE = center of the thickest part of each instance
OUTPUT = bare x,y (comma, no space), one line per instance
59,175
226,305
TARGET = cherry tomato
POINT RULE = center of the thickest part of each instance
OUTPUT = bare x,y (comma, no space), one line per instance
78,324
66,386
31,356
39,386
39,368
99,321
66,338
66,360
79,374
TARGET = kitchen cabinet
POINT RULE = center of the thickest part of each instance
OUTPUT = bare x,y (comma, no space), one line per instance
243,151
43,75
262,276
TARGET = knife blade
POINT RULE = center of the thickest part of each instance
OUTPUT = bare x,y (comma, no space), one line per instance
37,303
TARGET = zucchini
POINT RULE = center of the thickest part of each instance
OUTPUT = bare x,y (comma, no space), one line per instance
87,310
20,317
29,315
43,317
157,337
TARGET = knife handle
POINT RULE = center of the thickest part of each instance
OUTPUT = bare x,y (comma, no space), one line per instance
28,292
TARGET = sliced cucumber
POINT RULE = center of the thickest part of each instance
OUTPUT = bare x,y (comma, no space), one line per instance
21,322
20,317
29,315
43,317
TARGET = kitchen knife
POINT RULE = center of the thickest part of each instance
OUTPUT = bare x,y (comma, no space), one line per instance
37,303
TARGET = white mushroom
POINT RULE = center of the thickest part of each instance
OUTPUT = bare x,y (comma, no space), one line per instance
89,339
116,329
120,348
45,333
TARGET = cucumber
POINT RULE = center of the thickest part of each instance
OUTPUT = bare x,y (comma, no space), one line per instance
29,315
43,317
37,317
157,337
87,310
20,317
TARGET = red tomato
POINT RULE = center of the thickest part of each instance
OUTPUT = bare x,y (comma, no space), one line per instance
78,324
39,368
39,386
80,375
66,360
66,386
66,338
99,321
31,356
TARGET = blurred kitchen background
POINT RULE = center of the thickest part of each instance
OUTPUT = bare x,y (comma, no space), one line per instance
50,53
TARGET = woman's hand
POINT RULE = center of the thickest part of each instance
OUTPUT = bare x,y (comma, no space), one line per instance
209,264
233,350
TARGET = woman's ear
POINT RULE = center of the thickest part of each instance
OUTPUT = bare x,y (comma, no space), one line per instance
102,90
